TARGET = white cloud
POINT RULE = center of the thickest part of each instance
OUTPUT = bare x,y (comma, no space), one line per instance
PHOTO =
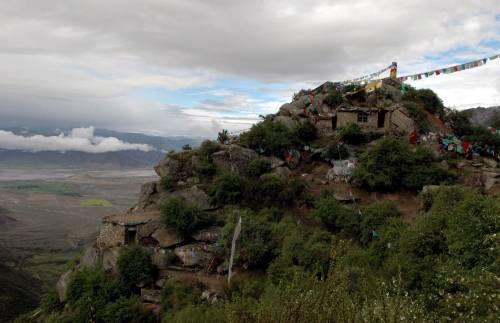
83,62
79,139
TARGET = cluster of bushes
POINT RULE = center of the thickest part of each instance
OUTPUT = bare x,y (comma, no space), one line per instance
333,99
352,134
274,138
254,192
426,98
392,164
93,296
183,217
418,115
272,242
269,137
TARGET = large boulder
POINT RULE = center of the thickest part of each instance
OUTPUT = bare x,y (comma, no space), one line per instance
177,166
282,172
210,234
235,158
166,238
286,120
91,258
148,196
110,259
193,195
195,254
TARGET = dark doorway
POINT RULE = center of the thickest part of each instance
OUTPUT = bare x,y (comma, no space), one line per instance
381,119
130,234
334,122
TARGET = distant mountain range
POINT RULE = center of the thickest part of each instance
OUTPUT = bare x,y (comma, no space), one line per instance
483,116
107,160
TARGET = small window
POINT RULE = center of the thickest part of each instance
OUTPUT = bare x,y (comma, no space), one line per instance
362,117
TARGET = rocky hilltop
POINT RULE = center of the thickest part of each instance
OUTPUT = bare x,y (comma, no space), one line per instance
347,147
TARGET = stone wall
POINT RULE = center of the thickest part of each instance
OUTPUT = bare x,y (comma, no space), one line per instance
111,235
400,121
346,117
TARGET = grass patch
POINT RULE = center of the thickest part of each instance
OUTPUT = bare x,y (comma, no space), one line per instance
96,202
40,187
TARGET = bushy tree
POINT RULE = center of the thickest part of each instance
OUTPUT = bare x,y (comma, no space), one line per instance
127,310
135,266
228,188
460,123
375,216
87,294
352,134
183,217
258,166
167,183
306,131
333,99
255,246
418,115
176,295
268,137
425,97
391,164
336,216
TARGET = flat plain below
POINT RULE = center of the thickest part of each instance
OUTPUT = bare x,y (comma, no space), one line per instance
48,216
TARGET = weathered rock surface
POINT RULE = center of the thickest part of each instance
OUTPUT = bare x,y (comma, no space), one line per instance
195,255
166,238
282,172
176,166
235,158
62,284
150,295
210,234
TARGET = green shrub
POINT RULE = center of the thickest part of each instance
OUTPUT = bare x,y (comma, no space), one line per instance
127,310
87,294
49,302
391,164
176,295
227,189
375,217
333,99
183,217
269,138
187,147
352,134
300,252
335,216
255,246
418,115
460,123
135,266
306,131
271,190
258,167
207,148
167,183
335,151
425,97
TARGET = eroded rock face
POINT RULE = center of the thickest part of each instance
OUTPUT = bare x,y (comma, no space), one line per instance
282,172
195,254
110,259
166,238
210,234
62,284
177,166
91,258
235,158
150,295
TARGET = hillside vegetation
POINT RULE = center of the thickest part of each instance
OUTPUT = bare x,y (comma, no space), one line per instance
317,243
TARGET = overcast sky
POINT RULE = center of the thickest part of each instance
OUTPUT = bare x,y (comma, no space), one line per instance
185,67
